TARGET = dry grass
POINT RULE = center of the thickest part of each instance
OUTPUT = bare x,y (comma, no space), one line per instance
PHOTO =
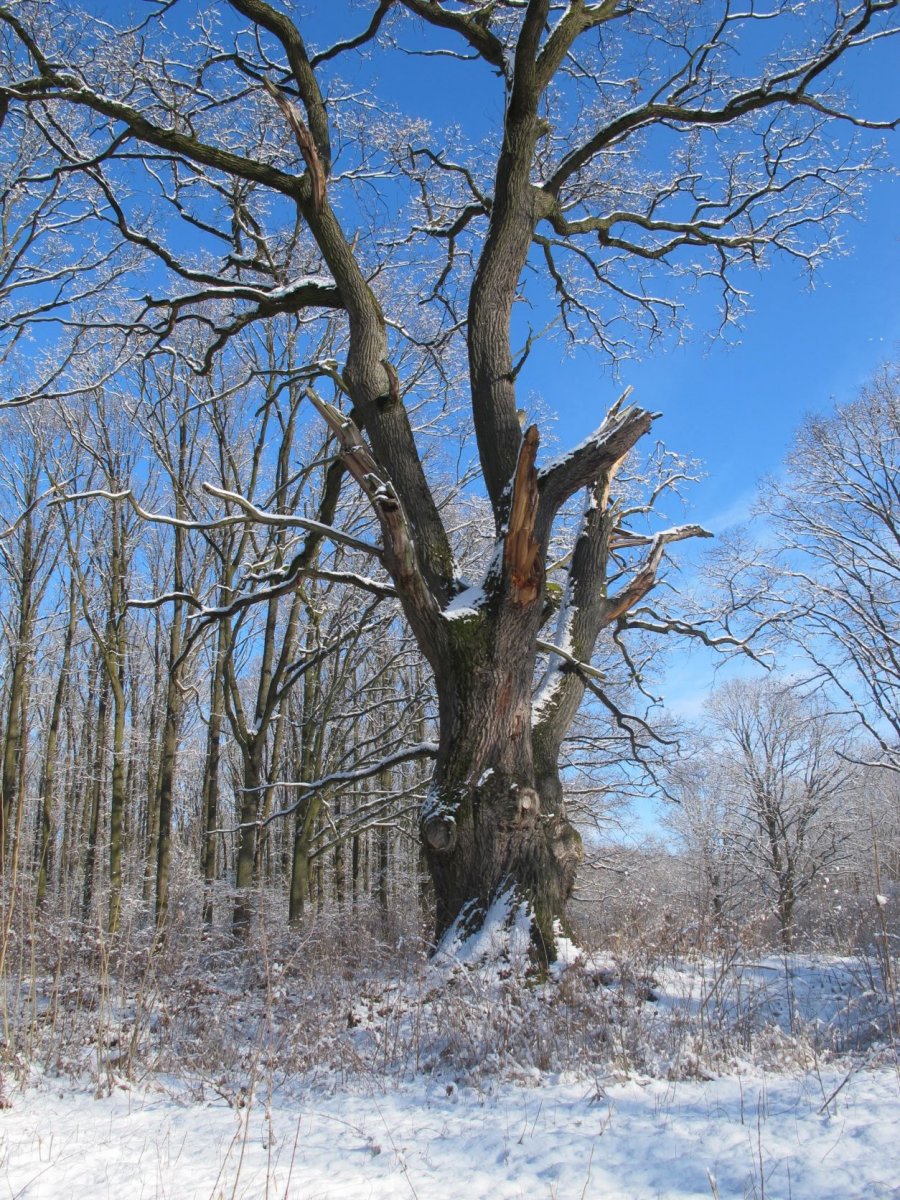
339,1003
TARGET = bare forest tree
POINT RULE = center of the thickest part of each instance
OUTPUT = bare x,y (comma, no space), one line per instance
837,520
217,176
784,792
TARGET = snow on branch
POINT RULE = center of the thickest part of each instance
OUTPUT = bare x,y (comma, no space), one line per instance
723,642
267,518
250,510
644,578
606,446
582,668
408,754
26,512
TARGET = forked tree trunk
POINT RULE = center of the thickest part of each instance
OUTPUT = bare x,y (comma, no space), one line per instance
494,826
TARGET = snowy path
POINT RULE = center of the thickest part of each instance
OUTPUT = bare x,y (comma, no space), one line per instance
754,1137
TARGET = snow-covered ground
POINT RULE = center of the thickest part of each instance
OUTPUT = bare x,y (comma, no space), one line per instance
736,1076
809,1137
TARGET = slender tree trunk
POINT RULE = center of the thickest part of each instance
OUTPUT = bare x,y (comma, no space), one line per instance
154,756
246,851
354,869
48,775
787,900
118,796
18,686
319,884
73,788
95,795
382,876
114,654
169,748
166,785
382,880
307,760
13,740
338,861
301,878
211,775
12,748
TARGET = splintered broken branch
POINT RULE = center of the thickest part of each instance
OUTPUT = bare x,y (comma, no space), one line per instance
622,427
521,550
304,141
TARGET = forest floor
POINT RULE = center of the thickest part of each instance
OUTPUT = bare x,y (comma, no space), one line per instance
195,1072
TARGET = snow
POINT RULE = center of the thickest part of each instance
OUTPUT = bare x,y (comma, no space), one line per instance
434,805
615,1139
560,460
505,931
466,604
548,692
296,285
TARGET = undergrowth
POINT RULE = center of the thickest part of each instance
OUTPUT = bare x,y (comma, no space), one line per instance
346,1002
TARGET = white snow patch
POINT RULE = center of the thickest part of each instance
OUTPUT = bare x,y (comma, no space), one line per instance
466,604
434,806
296,285
613,1139
550,688
505,933
568,953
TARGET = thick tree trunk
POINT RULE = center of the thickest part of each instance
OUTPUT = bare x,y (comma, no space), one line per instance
494,826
